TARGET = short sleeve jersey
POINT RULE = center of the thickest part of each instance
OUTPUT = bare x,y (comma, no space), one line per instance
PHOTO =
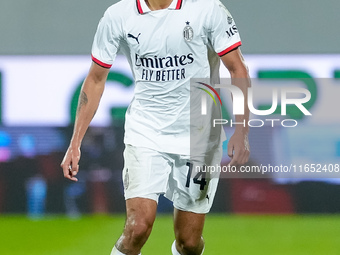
165,49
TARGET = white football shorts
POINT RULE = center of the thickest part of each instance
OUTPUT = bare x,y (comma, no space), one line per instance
148,173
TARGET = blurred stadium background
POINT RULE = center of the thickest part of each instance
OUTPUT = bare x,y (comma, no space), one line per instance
44,57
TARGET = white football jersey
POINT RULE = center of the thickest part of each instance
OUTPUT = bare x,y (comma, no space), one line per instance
165,48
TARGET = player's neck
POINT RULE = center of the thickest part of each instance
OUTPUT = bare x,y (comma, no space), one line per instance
158,4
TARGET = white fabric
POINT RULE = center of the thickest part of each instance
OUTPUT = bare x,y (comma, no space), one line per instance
175,252
148,173
173,249
116,252
163,61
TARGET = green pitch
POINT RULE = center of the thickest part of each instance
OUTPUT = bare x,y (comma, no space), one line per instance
224,235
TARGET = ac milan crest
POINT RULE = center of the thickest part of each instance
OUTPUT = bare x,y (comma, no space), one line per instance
188,32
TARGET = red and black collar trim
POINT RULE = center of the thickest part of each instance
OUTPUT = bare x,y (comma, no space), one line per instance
142,10
179,4
139,7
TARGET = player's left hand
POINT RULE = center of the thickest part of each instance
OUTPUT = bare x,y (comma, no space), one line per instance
238,149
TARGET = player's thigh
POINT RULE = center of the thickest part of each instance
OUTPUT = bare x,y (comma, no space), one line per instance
141,213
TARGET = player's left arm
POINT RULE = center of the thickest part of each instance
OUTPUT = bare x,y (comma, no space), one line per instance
238,146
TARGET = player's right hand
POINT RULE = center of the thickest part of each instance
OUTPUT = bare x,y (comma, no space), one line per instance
70,162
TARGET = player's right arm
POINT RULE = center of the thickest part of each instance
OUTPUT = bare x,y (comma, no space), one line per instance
90,94
225,39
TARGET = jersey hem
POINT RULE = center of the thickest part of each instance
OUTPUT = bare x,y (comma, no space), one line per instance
232,47
185,151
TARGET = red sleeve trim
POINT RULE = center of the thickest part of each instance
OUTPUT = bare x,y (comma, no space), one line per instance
139,7
179,4
100,62
232,47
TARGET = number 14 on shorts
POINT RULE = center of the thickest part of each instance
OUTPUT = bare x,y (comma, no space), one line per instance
198,179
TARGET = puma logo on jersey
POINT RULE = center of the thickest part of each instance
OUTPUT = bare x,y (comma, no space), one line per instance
134,37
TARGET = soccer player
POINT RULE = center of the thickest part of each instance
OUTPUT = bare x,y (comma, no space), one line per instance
167,42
